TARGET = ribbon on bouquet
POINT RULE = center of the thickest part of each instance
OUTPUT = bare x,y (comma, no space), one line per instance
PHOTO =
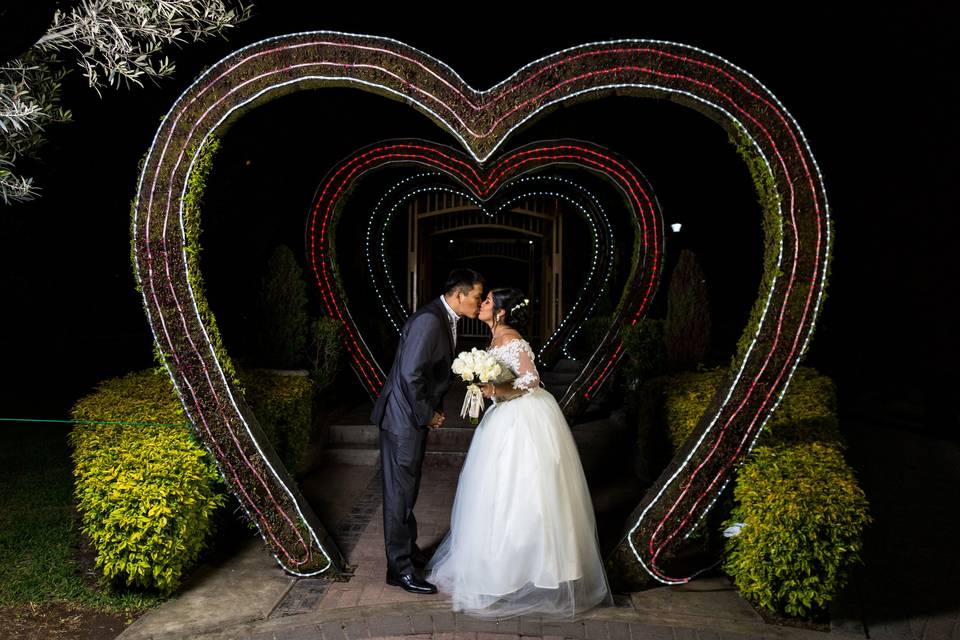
472,403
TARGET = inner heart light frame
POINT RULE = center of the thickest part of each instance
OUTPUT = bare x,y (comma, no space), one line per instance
798,246
485,184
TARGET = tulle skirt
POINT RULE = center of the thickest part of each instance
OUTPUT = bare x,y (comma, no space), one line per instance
523,537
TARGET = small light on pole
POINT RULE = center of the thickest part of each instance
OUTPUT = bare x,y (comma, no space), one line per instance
676,227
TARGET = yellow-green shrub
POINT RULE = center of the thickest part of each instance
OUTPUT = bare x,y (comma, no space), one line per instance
803,509
804,515
145,493
806,413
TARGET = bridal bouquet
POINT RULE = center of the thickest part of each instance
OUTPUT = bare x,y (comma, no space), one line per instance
475,366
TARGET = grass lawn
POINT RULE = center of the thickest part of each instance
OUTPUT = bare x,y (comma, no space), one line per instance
48,584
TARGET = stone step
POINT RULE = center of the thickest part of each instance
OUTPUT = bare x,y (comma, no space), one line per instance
352,454
448,459
350,433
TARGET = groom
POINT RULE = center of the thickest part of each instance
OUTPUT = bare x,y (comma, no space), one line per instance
411,403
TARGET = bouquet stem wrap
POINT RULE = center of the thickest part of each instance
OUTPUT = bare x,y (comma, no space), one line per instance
475,366
472,403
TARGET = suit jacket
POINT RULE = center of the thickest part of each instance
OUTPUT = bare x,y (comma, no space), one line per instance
420,375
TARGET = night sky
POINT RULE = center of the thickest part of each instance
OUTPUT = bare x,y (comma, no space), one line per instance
870,93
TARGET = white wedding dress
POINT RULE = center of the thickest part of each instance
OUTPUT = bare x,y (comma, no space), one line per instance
523,537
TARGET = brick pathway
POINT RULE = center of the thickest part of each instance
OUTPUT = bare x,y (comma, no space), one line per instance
361,539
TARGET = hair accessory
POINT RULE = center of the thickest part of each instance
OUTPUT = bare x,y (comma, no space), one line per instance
525,302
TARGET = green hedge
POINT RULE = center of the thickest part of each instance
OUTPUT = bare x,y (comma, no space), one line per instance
283,406
803,510
804,515
643,344
147,494
807,412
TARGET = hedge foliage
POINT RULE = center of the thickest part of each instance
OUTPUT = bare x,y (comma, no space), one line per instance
643,343
326,351
147,494
282,322
804,515
803,510
283,406
687,327
806,413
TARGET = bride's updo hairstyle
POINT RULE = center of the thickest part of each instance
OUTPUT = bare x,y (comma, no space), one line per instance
515,304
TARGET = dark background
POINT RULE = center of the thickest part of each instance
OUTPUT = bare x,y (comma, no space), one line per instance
871,94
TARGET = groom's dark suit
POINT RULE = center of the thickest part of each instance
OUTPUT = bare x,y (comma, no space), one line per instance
414,390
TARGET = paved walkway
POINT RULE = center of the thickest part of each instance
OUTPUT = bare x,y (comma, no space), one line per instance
249,596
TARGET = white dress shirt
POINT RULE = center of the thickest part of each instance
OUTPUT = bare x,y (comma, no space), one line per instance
453,320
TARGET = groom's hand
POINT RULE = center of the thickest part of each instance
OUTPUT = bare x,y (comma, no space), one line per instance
436,421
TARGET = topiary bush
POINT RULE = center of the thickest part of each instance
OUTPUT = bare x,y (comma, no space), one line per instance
643,343
145,494
326,351
282,322
686,329
804,515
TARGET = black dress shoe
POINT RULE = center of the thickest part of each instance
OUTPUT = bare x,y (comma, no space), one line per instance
410,582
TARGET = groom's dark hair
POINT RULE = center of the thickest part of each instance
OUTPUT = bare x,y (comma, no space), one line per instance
463,279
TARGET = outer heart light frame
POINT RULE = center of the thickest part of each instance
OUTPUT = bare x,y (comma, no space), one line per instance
795,266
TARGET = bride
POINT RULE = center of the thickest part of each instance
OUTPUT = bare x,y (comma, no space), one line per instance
523,538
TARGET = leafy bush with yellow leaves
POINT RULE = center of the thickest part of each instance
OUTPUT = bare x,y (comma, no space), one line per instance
146,494
798,508
804,515
807,412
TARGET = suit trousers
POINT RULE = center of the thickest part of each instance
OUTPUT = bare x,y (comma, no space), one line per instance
402,462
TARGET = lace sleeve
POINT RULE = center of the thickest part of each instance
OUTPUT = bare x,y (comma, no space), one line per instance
527,377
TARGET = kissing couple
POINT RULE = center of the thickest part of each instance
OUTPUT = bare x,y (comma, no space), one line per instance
523,536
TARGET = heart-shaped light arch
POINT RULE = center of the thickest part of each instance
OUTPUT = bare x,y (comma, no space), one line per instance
795,269
484,183
578,197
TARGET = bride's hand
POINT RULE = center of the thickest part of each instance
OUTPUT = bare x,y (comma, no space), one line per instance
487,390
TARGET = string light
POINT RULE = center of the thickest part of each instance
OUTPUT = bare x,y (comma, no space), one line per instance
485,183
590,285
482,121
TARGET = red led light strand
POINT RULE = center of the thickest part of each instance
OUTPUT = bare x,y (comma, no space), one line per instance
344,175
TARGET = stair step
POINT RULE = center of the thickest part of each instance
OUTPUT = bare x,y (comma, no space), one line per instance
353,434
352,455
447,459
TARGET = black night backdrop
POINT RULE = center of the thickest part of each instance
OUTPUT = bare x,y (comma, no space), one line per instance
871,93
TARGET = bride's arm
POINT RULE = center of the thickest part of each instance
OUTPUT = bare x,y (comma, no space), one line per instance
526,381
